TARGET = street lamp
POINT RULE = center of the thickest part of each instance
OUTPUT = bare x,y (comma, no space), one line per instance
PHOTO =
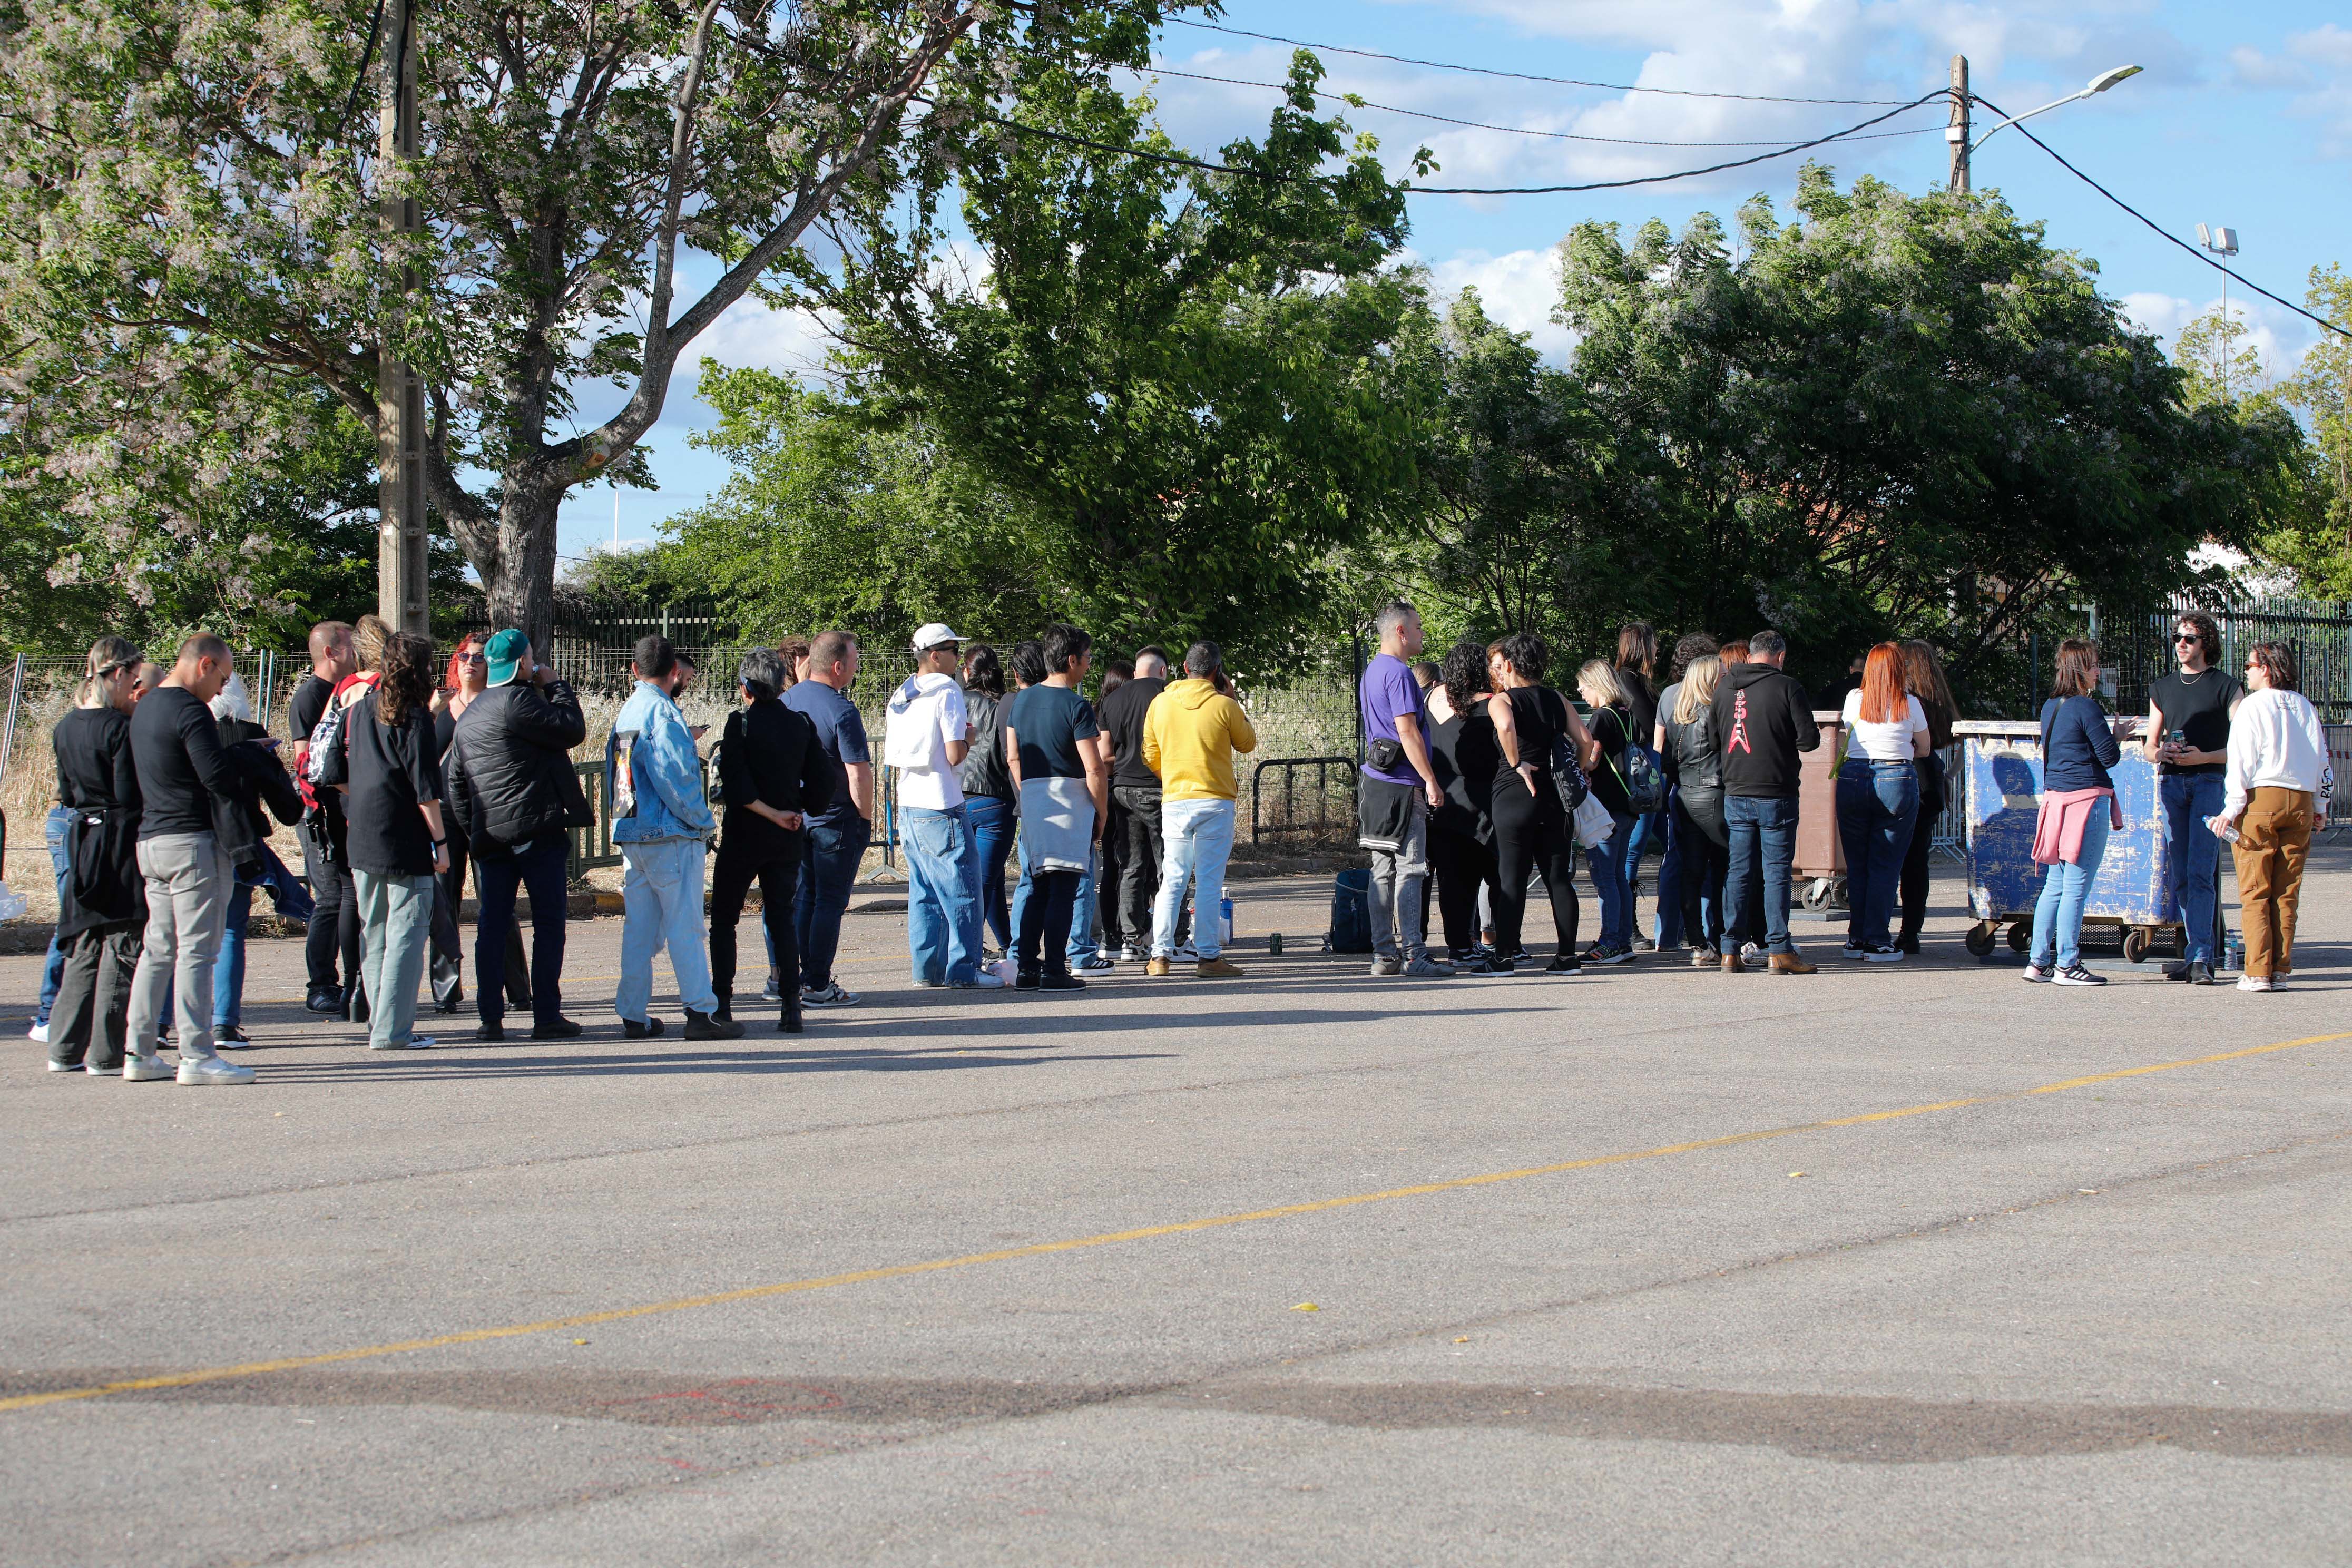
2099,83
2223,243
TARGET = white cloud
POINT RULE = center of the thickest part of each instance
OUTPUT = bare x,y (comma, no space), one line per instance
1518,289
752,334
2278,336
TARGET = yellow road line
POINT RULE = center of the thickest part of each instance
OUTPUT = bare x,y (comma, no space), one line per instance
1109,1239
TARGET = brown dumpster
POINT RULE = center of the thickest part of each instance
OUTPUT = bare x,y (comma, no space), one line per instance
1818,875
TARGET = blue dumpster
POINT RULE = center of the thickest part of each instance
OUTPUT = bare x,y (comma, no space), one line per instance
2002,767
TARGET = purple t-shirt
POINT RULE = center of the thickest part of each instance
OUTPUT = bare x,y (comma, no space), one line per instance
1387,690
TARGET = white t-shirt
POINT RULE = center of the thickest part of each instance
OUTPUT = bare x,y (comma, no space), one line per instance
926,712
1882,742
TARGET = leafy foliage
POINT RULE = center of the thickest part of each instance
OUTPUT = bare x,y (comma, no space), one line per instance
1896,416
2316,544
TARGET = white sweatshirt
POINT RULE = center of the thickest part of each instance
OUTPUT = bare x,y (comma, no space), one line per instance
2275,742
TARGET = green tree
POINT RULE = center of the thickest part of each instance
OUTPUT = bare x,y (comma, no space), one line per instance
2315,546
1506,528
1897,416
1181,379
188,201
830,520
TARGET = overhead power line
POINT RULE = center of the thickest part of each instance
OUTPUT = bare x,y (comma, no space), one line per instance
2159,229
1182,162
1524,75
1357,98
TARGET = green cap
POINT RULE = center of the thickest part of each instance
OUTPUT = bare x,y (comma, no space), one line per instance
507,650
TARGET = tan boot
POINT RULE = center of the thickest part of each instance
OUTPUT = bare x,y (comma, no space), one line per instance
1156,968
1218,969
1733,963
1789,963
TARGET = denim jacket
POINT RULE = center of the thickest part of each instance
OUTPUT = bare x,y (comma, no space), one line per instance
651,776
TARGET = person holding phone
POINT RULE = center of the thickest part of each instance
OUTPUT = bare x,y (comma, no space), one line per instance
2187,738
1190,733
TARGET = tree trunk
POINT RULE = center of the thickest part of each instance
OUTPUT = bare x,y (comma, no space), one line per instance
518,581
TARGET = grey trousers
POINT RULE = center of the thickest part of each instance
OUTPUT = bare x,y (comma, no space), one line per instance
395,925
1399,883
88,1021
188,881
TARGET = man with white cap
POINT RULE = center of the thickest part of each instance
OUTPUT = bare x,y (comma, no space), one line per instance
926,736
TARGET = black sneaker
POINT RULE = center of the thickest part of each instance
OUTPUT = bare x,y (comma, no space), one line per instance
2199,973
1855,948
2076,974
491,1034
1026,980
1563,964
327,1001
1060,980
1908,943
2177,970
632,1028
705,1026
564,1028
229,1038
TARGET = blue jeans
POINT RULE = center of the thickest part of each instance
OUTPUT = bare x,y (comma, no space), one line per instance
53,971
835,851
1082,944
994,824
1763,833
2193,854
942,896
1199,839
661,906
2058,913
1667,929
1607,860
1877,804
228,971
539,866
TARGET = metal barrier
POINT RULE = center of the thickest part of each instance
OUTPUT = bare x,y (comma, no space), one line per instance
1322,823
592,846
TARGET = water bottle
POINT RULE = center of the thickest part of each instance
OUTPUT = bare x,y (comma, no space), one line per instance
1226,913
2228,832
2237,953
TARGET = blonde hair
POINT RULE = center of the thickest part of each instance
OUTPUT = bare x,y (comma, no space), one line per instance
107,654
1597,683
368,640
1699,687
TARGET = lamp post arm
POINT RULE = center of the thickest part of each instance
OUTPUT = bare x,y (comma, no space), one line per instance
2053,103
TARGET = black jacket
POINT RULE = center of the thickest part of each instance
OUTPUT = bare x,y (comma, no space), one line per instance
770,754
266,783
1762,720
510,767
97,780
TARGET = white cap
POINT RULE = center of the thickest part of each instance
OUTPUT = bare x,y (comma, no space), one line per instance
932,633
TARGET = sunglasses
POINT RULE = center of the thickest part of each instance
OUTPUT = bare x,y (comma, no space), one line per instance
473,659
2188,636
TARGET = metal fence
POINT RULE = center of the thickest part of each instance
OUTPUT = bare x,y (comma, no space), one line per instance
2136,647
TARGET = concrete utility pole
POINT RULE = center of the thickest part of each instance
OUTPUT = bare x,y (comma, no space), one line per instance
1957,134
401,582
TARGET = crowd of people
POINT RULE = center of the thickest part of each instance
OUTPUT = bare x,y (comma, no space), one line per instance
1478,776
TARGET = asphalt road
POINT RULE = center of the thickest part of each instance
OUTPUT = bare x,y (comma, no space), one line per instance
1893,1265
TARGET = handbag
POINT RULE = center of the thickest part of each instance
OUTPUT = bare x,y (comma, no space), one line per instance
1591,823
1567,773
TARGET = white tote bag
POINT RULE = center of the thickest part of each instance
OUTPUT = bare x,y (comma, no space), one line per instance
1592,824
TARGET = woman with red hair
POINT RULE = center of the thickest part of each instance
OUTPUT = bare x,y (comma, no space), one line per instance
467,678
1878,798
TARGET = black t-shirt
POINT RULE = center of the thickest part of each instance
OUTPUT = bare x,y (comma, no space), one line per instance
2199,705
1536,724
1050,722
394,770
1122,721
1640,702
1463,753
307,706
1609,727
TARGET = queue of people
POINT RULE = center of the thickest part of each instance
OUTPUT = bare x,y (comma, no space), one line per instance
1479,782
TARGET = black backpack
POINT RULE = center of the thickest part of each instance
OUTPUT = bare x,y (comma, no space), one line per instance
1352,912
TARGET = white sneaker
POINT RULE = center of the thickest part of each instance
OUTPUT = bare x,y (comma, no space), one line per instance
1186,954
38,1032
2252,982
2035,975
414,1043
147,1070
1132,953
65,1066
833,995
211,1070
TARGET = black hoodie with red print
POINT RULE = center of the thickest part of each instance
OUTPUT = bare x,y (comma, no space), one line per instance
1765,720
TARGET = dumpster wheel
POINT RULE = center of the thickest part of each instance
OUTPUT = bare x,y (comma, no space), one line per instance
2137,942
1980,939
2021,936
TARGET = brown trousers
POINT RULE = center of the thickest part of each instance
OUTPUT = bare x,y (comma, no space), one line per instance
2274,835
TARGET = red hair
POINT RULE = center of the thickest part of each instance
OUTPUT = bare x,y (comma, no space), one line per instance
1882,692
453,679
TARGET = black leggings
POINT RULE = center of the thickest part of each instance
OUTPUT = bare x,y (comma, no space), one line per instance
1045,923
1462,865
1531,832
1923,840
777,869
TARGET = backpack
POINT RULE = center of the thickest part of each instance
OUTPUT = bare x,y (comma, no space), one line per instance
1636,767
1352,912
326,765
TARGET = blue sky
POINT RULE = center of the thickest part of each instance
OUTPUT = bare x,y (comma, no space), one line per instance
2243,117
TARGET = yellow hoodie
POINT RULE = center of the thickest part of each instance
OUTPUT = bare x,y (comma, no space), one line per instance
1190,735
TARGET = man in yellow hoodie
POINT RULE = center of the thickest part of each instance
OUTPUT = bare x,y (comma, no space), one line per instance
1189,736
